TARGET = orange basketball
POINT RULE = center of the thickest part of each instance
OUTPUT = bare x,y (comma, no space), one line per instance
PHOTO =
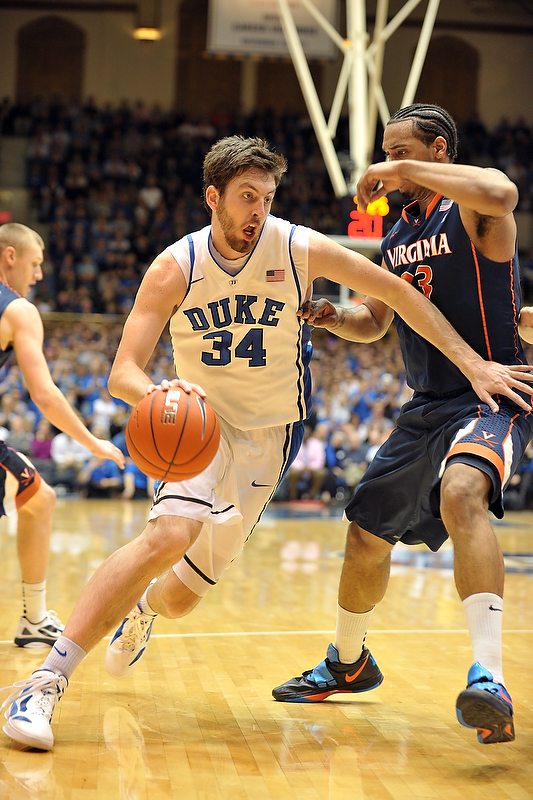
172,435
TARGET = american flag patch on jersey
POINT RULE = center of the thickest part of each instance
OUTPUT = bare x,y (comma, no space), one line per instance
446,204
275,275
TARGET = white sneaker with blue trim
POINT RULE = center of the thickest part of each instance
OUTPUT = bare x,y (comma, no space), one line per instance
31,706
128,643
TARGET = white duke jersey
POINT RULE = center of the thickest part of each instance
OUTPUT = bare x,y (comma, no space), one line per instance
237,335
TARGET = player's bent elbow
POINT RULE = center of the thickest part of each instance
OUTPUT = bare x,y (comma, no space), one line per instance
502,198
45,398
114,384
375,333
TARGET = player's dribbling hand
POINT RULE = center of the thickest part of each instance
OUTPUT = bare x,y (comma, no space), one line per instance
176,383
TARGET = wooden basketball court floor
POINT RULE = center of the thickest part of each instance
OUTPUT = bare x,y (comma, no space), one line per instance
196,720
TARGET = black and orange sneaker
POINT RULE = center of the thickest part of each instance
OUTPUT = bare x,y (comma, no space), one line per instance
331,677
487,706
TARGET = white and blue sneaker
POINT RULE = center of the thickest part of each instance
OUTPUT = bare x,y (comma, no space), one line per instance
39,634
31,706
128,644
487,706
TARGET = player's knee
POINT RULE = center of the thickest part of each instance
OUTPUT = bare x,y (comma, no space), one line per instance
361,543
166,538
464,490
48,495
42,503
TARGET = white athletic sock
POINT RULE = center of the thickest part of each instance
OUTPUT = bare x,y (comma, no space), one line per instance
145,605
350,634
34,601
64,657
484,613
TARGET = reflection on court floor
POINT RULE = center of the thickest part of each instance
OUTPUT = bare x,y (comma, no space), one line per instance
196,720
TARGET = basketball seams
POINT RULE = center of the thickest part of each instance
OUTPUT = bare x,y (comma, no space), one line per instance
152,430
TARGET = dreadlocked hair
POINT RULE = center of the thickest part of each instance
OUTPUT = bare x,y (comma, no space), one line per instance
430,121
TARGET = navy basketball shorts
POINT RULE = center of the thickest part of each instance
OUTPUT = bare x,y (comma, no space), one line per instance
19,480
398,497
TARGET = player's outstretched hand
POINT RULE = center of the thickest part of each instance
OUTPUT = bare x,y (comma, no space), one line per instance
321,313
491,378
176,383
103,448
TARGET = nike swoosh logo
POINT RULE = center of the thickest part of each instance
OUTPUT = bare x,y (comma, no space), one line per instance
261,485
491,608
350,678
197,280
59,651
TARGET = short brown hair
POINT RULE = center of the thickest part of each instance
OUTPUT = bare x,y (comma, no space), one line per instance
233,155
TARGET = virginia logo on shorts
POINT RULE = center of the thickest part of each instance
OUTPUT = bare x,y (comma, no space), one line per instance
26,476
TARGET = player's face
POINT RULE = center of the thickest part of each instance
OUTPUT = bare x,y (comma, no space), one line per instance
399,143
25,264
240,212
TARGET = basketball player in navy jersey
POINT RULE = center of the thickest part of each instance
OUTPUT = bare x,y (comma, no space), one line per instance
232,292
22,489
449,458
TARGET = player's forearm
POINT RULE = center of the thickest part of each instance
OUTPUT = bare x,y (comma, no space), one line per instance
53,404
128,382
489,192
426,319
357,325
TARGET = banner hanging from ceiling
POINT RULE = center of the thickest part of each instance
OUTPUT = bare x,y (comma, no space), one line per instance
253,27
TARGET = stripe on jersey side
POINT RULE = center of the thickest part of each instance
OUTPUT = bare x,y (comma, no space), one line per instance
192,256
302,361
480,298
294,434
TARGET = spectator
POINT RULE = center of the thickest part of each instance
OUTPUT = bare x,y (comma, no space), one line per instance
19,436
137,486
100,478
103,411
151,194
41,450
68,456
309,466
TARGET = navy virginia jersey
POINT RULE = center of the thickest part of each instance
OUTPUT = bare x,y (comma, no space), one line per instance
7,295
479,297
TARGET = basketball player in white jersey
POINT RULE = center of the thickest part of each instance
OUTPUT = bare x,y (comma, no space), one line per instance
232,293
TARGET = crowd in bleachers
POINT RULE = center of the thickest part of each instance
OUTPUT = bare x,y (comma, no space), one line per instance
115,186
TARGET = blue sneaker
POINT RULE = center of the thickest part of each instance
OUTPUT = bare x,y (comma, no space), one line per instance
128,643
487,706
331,677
